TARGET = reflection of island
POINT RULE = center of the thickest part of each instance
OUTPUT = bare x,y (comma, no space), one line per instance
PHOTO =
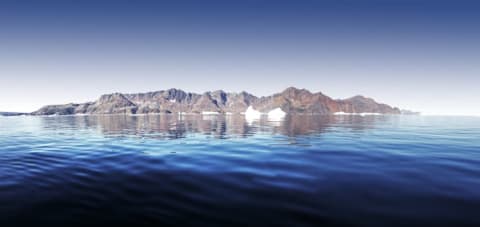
221,127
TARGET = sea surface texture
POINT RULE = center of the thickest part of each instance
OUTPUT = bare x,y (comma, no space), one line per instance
166,170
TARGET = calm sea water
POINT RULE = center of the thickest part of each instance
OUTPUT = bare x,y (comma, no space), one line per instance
225,171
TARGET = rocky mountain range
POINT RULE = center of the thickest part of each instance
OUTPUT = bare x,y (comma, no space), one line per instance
292,101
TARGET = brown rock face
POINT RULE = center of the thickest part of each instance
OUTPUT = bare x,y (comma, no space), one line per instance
294,100
291,100
360,104
112,104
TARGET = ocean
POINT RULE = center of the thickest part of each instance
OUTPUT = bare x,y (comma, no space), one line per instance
203,170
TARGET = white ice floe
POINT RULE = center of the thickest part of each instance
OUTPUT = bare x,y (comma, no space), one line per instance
341,113
209,113
276,114
361,114
252,113
364,114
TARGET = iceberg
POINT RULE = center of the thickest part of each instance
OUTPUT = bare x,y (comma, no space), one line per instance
340,113
360,114
276,114
365,114
252,113
210,113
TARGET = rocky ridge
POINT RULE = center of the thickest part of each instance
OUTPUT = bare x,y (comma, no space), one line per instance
292,101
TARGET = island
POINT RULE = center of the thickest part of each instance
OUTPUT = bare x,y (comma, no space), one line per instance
176,101
8,114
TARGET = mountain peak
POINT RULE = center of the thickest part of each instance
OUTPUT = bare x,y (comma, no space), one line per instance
114,97
358,97
292,90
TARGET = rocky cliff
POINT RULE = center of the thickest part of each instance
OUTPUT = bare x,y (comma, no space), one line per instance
292,101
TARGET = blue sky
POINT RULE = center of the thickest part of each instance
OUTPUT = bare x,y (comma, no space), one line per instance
419,55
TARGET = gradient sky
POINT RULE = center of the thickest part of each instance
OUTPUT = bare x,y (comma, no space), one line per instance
418,55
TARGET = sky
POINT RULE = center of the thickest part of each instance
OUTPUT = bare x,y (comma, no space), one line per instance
413,54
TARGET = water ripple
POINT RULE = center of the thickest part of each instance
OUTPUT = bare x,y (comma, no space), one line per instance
225,171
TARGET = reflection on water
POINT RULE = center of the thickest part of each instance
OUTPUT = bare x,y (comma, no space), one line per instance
194,170
217,126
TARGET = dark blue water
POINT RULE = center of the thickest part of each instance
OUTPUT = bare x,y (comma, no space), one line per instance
225,171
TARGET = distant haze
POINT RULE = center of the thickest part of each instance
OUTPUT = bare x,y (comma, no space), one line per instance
412,54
